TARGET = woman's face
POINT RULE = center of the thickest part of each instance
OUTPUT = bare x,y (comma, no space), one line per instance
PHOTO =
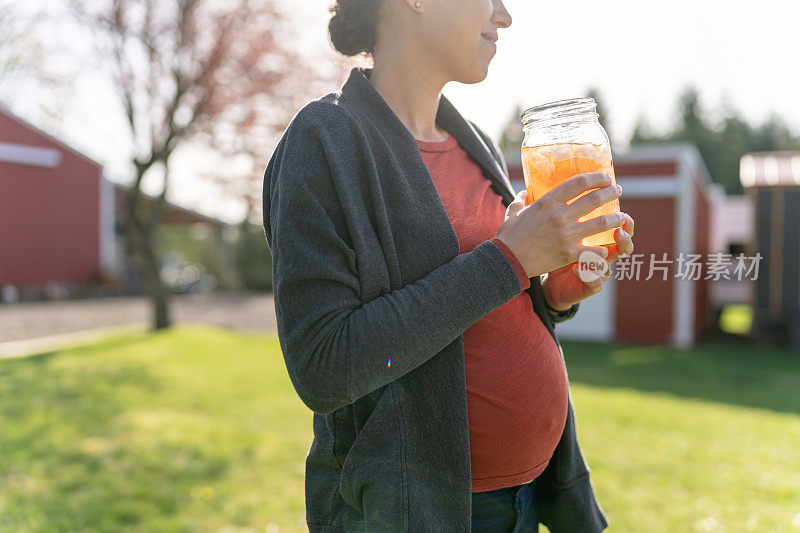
459,37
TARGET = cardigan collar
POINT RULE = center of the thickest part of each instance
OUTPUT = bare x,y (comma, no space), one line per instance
360,93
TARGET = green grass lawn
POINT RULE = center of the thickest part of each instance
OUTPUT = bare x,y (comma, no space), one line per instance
700,440
195,429
199,429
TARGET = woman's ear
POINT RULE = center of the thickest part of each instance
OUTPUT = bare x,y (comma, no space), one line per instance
416,5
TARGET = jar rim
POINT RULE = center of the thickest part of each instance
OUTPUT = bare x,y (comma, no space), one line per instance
560,109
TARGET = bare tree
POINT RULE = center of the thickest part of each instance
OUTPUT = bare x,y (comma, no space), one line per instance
249,139
22,53
185,70
11,56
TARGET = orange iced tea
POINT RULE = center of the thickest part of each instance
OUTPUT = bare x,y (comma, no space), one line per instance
546,167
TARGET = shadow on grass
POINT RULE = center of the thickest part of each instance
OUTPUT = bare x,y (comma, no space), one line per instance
70,387
735,373
118,341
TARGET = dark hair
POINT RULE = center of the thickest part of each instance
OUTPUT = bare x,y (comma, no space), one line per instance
353,26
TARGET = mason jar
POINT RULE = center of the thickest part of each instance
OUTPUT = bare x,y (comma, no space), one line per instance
563,139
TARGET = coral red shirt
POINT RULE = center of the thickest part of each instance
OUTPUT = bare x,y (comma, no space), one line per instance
516,380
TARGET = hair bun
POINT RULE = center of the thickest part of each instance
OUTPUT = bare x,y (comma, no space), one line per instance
353,26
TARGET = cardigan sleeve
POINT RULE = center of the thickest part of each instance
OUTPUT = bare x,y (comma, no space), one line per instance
524,280
338,348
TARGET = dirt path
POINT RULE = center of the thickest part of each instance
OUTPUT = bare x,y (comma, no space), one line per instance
33,320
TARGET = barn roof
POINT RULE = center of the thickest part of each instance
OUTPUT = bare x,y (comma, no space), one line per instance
7,113
174,213
45,155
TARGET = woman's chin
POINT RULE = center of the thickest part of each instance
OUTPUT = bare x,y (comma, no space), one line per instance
474,71
476,75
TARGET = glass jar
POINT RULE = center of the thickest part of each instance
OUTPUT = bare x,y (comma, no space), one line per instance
563,139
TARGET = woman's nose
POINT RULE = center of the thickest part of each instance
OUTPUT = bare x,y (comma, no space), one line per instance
500,16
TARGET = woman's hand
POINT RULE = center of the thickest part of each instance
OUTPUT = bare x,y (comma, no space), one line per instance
545,235
563,287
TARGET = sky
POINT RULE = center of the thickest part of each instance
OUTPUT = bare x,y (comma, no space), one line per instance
639,55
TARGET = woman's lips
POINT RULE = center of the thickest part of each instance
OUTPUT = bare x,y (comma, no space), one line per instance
490,38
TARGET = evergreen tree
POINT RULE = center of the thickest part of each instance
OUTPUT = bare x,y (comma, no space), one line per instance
641,132
721,147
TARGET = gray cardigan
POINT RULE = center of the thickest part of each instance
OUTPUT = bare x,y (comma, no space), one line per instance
372,297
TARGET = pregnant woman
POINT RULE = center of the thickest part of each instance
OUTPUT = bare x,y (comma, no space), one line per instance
416,296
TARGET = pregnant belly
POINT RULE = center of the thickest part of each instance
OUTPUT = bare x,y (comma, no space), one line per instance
517,395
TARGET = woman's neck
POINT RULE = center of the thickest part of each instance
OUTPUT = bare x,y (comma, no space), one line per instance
411,92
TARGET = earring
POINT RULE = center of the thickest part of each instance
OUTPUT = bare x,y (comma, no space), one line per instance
418,4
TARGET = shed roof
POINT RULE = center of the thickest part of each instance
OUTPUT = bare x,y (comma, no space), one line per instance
760,169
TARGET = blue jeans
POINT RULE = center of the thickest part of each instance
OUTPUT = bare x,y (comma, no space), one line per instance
507,510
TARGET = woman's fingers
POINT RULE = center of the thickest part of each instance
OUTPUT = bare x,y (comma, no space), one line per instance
623,245
577,185
600,224
592,266
602,251
592,200
594,280
628,226
624,241
518,204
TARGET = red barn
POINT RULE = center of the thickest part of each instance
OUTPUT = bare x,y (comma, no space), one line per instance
61,230
56,209
666,191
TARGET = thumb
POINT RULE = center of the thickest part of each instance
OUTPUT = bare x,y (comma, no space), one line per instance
518,204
